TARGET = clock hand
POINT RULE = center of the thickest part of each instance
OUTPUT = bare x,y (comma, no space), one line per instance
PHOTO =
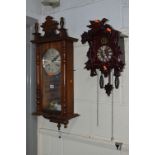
55,58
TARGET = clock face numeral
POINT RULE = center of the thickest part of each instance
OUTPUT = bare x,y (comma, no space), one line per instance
104,54
51,61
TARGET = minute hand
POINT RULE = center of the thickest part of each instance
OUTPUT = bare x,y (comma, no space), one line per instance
55,58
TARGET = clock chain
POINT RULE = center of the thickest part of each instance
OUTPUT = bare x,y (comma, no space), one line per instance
97,112
60,133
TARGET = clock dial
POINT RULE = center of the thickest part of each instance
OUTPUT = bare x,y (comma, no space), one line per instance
52,61
104,53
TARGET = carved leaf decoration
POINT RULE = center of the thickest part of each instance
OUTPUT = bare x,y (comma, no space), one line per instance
84,37
50,26
104,20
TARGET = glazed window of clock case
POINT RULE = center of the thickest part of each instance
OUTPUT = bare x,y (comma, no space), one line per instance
51,63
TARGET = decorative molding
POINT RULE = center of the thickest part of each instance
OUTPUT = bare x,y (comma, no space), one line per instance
96,141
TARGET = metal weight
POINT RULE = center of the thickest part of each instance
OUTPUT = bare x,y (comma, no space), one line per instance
101,81
116,82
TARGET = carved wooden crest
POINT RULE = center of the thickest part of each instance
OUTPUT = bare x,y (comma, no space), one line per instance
52,31
50,27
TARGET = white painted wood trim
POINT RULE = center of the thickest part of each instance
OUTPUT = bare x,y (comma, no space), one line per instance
84,139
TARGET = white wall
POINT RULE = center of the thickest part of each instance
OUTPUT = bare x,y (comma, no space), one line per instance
33,8
83,135
78,13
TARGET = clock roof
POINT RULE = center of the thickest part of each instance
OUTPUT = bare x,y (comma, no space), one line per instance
53,31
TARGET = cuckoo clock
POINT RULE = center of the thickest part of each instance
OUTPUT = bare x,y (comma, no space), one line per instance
54,72
105,53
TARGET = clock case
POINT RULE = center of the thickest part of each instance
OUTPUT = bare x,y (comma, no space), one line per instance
57,38
102,34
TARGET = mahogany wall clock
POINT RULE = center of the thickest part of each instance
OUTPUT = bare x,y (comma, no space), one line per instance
106,52
54,72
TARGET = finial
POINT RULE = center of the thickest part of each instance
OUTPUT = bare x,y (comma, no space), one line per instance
36,27
61,22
